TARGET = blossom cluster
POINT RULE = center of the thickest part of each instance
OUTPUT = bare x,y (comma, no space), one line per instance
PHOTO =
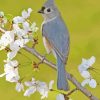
15,39
21,33
39,86
84,71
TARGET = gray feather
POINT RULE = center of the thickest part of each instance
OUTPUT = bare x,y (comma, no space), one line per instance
57,34
62,82
49,3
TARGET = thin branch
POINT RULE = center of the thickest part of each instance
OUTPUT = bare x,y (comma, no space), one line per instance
72,91
66,96
68,75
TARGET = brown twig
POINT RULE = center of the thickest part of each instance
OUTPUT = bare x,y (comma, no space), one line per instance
72,91
36,65
35,42
66,97
70,77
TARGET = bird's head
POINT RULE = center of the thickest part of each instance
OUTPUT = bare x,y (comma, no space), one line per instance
49,10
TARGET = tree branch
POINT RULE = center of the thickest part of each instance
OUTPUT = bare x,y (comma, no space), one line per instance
72,91
68,75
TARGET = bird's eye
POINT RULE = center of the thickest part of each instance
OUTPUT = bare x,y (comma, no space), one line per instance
48,10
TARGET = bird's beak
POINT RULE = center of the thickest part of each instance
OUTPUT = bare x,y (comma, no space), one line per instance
41,11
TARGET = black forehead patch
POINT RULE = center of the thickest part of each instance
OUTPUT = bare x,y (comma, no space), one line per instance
43,8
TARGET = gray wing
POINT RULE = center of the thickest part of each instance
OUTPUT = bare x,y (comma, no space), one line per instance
57,34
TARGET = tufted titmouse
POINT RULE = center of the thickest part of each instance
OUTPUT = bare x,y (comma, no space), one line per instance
56,39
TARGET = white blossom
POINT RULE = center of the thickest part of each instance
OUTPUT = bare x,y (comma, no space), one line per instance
18,31
51,84
15,47
85,82
86,64
19,87
85,74
12,74
19,43
12,77
60,97
11,71
26,14
11,55
91,82
18,19
6,39
10,63
22,34
34,28
43,89
83,69
27,27
39,86
30,83
30,91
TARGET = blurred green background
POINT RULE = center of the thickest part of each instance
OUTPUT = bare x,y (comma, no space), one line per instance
83,21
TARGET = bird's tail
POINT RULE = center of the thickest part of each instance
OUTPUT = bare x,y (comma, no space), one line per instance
62,82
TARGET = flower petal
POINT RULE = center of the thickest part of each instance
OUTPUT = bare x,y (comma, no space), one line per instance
29,10
91,61
18,19
29,83
11,55
86,64
44,95
19,87
51,84
86,81
26,26
85,74
60,97
30,91
93,83
14,63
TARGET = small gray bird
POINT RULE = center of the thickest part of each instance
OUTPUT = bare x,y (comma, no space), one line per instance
56,39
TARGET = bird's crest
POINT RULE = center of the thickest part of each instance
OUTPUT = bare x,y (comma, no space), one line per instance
49,3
